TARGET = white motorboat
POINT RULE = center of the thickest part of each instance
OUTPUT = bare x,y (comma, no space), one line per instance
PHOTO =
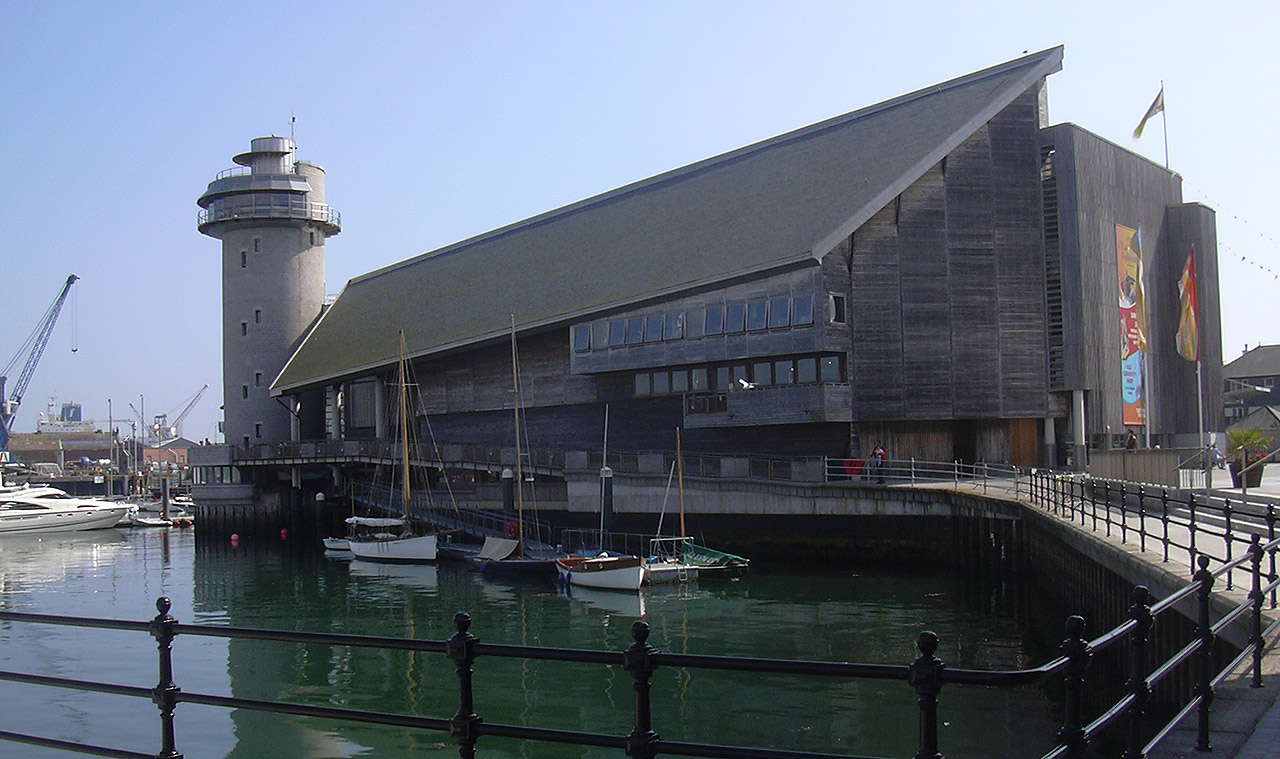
47,509
605,571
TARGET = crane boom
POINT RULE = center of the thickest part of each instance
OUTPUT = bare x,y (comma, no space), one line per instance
34,349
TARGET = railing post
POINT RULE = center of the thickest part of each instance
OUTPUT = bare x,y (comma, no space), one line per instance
1078,653
1106,497
1164,520
1227,536
1142,521
1204,684
638,660
1191,528
1271,536
1256,596
460,648
925,675
165,694
1139,612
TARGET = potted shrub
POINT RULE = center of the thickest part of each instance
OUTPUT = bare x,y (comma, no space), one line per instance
1246,448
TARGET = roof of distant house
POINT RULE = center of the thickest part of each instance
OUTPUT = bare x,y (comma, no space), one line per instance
1262,361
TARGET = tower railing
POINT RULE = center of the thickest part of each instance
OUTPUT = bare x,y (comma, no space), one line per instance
268,207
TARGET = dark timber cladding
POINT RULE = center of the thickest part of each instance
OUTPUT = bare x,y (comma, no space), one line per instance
1100,185
936,272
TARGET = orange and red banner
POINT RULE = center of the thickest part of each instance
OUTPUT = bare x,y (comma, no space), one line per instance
1133,326
1189,318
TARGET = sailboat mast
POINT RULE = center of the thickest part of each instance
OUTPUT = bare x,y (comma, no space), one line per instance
515,407
404,432
680,469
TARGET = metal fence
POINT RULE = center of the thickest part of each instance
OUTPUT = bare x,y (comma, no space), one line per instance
927,675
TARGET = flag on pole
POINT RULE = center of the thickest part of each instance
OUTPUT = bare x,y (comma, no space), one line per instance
1157,106
1189,319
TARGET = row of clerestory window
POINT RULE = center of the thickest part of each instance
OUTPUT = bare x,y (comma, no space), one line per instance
730,318
802,370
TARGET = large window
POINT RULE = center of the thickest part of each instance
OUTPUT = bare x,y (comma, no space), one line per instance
714,320
757,318
735,315
582,337
779,313
653,328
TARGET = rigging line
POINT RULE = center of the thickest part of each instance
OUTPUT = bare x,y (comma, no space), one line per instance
421,407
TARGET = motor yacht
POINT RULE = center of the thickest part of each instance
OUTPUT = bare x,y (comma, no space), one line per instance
48,509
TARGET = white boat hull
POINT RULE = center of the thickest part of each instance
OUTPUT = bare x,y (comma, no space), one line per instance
337,544
613,573
664,573
413,549
61,521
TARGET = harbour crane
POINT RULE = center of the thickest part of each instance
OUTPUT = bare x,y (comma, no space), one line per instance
164,431
33,349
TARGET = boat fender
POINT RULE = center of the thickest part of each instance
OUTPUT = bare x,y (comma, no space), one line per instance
284,534
512,530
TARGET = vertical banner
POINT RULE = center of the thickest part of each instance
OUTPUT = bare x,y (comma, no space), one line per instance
1133,326
1189,318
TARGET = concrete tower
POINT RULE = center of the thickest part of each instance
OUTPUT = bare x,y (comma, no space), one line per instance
271,216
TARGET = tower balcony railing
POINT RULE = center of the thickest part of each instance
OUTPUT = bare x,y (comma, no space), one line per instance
268,207
234,171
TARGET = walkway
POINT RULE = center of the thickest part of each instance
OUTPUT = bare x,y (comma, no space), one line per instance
1245,720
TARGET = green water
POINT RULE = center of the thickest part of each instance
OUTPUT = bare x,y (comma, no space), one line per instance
838,615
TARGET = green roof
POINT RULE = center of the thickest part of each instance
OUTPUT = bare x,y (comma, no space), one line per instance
782,202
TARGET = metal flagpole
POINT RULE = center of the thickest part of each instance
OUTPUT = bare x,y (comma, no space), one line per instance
1164,123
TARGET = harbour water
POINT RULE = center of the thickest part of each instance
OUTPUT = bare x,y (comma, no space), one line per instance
864,615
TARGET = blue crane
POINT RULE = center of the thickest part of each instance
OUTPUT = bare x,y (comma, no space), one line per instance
33,349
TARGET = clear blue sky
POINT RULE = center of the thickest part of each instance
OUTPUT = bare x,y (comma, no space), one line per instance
437,121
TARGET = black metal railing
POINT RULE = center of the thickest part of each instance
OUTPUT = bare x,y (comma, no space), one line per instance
927,675
1197,522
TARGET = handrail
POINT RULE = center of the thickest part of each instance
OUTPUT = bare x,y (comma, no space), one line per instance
926,674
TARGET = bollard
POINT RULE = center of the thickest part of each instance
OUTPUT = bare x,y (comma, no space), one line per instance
638,660
925,675
165,694
460,648
1139,687
1204,684
1078,653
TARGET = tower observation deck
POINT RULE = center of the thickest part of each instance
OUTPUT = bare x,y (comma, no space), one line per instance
271,216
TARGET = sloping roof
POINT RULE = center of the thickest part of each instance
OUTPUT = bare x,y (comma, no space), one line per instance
1263,361
1265,418
782,202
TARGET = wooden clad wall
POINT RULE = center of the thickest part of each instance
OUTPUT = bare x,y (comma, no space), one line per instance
1174,377
1101,185
947,286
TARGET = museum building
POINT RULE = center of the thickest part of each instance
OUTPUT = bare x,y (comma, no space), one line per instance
943,273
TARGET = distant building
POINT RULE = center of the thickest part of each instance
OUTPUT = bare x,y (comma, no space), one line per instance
169,456
1249,383
944,273
68,450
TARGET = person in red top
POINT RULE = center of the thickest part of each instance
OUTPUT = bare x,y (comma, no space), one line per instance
877,462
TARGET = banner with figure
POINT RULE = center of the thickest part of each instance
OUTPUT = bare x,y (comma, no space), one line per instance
1189,318
1133,325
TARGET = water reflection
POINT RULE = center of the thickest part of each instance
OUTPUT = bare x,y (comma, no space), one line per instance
869,616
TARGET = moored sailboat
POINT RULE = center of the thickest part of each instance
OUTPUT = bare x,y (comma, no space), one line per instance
404,546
